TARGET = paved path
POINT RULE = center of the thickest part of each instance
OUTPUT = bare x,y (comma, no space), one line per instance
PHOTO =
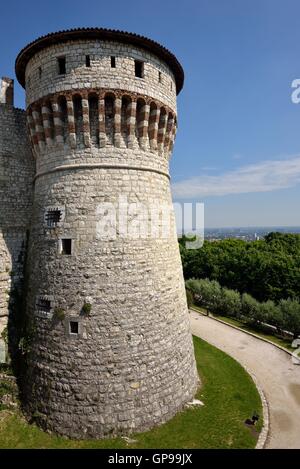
275,373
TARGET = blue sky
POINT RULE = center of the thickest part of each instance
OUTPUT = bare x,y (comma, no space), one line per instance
238,145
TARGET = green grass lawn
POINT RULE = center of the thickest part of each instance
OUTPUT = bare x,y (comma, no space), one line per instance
286,343
229,395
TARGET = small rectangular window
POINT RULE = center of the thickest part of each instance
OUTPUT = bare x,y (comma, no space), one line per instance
73,327
61,61
139,68
87,61
159,77
40,72
66,246
113,61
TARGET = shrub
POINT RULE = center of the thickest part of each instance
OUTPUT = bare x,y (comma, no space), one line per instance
210,295
192,285
230,303
206,293
290,310
189,298
59,314
86,309
251,311
272,314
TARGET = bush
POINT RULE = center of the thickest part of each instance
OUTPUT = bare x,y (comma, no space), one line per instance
272,314
86,309
192,285
251,311
226,302
290,310
189,298
230,303
59,314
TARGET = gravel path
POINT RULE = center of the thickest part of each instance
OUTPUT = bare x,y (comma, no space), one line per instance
275,373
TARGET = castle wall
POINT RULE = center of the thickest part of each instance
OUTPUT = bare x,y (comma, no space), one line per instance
42,76
16,175
127,369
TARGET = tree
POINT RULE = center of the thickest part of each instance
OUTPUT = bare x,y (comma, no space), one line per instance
272,314
291,316
230,303
268,269
251,310
189,297
206,293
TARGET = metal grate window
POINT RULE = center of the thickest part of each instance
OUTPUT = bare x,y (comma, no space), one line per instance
53,217
44,305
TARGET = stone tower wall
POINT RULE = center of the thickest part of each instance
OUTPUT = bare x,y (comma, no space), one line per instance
100,134
42,76
16,177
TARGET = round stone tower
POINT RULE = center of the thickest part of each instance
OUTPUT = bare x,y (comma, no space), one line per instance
111,348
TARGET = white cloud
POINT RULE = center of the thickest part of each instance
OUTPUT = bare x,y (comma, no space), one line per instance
262,177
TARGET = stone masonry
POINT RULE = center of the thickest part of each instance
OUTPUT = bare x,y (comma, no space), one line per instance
16,176
111,349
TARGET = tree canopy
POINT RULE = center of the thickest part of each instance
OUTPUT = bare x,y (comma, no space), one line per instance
267,269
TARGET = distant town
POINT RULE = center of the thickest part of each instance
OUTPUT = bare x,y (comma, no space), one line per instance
246,233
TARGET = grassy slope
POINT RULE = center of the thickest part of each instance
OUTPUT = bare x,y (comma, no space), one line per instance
228,392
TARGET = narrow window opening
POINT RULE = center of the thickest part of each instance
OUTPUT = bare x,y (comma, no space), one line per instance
53,217
159,77
66,246
61,61
87,61
171,86
40,72
44,305
94,120
139,68
113,61
73,327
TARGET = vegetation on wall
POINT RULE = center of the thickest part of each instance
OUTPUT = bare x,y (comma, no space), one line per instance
86,309
59,314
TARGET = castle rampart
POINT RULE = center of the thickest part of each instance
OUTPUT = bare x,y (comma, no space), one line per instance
16,183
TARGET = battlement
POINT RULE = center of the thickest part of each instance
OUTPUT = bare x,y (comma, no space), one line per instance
7,91
101,118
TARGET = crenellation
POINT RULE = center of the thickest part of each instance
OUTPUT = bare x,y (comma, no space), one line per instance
115,105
